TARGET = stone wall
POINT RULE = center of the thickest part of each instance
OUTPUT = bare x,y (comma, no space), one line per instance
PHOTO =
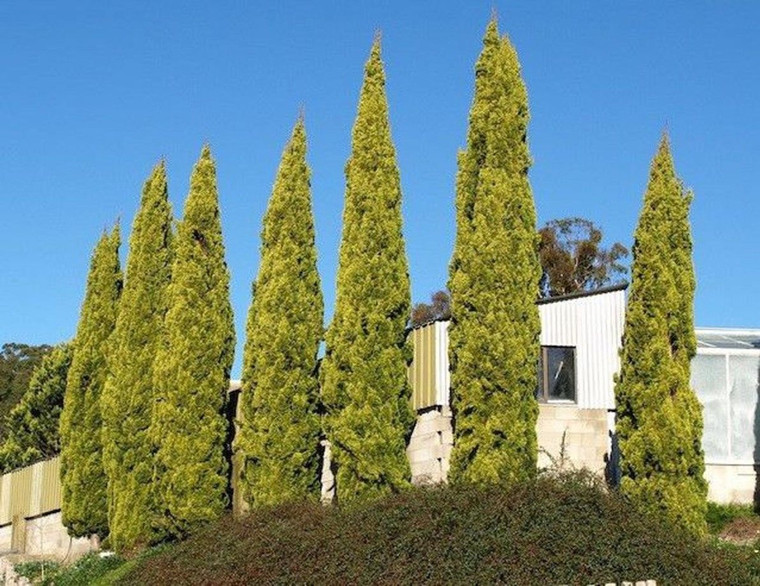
567,436
430,446
572,437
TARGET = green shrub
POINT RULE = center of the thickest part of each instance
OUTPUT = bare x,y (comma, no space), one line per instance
34,571
552,530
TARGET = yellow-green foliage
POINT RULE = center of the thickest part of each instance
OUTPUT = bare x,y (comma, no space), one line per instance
364,388
84,483
494,277
192,368
33,423
278,439
659,418
128,395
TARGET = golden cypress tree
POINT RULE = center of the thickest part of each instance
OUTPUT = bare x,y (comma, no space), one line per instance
364,388
128,395
493,279
83,479
659,418
279,432
192,369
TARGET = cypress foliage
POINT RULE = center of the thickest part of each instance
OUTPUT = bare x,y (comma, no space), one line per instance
493,279
33,423
192,369
128,395
279,430
659,418
83,479
364,388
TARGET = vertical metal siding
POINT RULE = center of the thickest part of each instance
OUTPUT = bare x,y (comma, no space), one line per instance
443,377
422,370
594,326
31,491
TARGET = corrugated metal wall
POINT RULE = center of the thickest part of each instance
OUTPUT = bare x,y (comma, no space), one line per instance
593,324
31,491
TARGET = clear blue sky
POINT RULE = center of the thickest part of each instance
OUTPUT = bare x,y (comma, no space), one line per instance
94,93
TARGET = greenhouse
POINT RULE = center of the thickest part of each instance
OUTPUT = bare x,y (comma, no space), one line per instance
725,375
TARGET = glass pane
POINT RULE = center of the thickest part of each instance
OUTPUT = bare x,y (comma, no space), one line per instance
743,373
708,379
561,364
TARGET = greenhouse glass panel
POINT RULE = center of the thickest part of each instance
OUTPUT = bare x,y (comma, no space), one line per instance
708,379
743,377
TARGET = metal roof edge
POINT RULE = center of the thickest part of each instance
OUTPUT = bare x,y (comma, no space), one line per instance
580,294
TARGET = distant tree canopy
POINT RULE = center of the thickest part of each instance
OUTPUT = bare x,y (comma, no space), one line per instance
438,308
17,362
33,423
573,258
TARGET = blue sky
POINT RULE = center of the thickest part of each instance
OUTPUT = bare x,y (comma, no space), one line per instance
93,94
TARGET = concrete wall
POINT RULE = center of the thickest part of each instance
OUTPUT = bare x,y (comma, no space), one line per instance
430,446
731,483
46,536
5,538
584,433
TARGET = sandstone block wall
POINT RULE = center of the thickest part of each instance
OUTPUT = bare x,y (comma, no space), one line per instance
583,432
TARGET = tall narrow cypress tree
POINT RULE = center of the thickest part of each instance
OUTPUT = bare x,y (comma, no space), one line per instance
493,279
192,371
279,430
364,388
659,418
83,479
128,395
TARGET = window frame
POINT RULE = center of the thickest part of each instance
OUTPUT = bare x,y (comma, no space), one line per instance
542,390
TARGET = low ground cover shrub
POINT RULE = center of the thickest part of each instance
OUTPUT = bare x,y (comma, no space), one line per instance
554,530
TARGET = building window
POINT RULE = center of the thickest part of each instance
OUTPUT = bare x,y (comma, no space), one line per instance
556,374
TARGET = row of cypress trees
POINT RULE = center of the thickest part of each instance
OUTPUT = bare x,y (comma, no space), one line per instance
156,386
143,428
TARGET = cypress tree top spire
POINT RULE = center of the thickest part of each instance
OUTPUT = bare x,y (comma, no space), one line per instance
364,390
659,418
278,439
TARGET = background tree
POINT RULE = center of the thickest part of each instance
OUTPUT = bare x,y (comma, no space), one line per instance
438,308
493,279
659,418
33,423
364,388
192,369
279,432
17,362
128,395
83,479
573,258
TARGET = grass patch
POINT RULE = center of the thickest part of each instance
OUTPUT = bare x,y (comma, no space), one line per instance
554,530
720,516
